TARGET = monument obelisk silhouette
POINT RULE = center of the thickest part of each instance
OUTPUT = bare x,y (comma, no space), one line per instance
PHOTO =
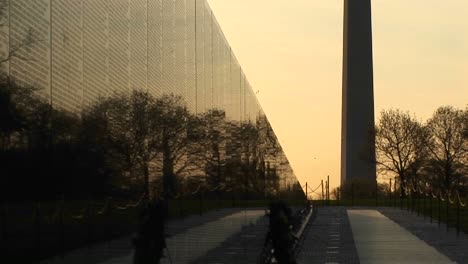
357,143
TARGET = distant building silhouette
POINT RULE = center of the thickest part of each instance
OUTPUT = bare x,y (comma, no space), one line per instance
357,145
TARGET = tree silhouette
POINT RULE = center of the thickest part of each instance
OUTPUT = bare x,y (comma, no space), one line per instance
174,139
16,47
400,145
212,143
448,146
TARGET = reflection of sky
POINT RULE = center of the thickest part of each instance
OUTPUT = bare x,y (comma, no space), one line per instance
292,52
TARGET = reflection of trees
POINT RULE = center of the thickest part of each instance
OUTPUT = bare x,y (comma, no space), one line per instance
127,131
175,139
40,146
17,47
132,143
212,143
140,130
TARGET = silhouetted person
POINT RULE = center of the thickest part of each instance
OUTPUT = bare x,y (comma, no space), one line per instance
280,232
150,241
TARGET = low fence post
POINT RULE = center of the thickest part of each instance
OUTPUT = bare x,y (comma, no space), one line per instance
179,205
400,198
87,220
200,204
395,192
4,214
458,216
107,217
390,194
447,211
376,194
430,205
424,205
338,194
323,194
439,200
37,230
418,197
61,228
233,197
407,200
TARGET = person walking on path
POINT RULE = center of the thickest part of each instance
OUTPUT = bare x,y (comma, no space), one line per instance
150,240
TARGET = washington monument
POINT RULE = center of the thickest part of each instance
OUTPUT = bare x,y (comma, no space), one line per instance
357,145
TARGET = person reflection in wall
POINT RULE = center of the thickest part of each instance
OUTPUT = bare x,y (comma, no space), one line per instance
150,240
281,220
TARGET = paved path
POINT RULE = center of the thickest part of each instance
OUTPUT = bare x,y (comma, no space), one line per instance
453,246
337,235
329,239
380,240
242,247
188,239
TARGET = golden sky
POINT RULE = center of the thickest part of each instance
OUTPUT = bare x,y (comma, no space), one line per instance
291,51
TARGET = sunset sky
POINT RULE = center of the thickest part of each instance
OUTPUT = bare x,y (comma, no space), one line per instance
291,51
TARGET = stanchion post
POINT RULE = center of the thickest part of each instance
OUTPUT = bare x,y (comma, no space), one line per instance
424,205
408,199
107,216
401,194
307,194
417,196
233,197
322,193
390,192
200,203
447,211
87,219
395,192
37,229
430,204
179,205
4,214
352,194
338,195
458,217
439,201
61,228
376,194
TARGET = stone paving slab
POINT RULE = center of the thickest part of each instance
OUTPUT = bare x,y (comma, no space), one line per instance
243,247
380,240
196,242
456,248
329,239
122,248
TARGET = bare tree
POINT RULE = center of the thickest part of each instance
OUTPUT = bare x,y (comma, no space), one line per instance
130,130
15,47
213,126
175,139
400,145
448,146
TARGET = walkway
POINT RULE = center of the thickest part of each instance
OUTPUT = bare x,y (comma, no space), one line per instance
329,239
449,243
380,240
189,239
336,235
243,247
